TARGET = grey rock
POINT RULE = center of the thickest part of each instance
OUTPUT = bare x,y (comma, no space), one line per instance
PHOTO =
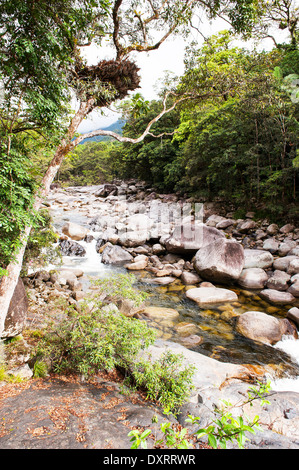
260,327
210,295
116,255
253,278
189,239
293,314
16,316
283,263
279,280
220,261
271,245
277,297
257,259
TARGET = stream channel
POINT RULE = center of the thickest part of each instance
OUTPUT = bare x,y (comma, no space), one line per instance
219,340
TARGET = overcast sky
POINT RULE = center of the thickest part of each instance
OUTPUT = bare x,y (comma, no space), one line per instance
169,57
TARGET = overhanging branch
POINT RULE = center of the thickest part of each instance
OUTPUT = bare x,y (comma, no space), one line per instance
120,138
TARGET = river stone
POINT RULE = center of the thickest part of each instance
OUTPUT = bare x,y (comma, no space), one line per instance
116,255
294,289
271,245
71,248
16,316
223,224
187,239
293,314
161,313
253,278
210,295
272,229
285,247
65,277
163,281
214,219
247,226
287,228
137,265
133,239
191,340
74,231
257,259
294,266
260,327
283,263
220,261
279,280
188,278
277,297
209,373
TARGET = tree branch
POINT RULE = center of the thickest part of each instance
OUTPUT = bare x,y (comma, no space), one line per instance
121,138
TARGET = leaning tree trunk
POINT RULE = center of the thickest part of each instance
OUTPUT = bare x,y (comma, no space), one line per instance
9,282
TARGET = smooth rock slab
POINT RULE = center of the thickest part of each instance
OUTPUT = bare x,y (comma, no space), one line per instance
163,281
211,295
277,297
161,313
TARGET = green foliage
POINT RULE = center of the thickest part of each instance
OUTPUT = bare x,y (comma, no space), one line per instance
165,380
40,369
120,286
100,338
235,139
88,164
39,250
17,187
87,342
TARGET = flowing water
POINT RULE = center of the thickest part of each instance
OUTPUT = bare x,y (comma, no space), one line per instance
213,325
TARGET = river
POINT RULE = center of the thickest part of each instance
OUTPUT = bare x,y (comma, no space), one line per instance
218,338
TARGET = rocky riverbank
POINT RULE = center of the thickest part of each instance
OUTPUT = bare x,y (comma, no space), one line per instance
174,243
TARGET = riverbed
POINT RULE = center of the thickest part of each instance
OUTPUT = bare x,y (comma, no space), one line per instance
218,337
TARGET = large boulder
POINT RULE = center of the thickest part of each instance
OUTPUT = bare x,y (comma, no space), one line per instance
15,320
116,255
253,278
260,327
106,190
189,238
136,231
74,231
220,261
211,295
257,259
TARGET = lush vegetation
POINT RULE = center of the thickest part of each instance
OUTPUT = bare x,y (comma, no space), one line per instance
234,139
99,338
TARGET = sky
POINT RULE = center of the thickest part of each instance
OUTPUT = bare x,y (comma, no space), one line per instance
169,57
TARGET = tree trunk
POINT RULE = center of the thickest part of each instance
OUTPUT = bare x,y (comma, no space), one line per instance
9,282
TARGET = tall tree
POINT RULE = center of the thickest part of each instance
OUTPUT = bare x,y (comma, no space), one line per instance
42,64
